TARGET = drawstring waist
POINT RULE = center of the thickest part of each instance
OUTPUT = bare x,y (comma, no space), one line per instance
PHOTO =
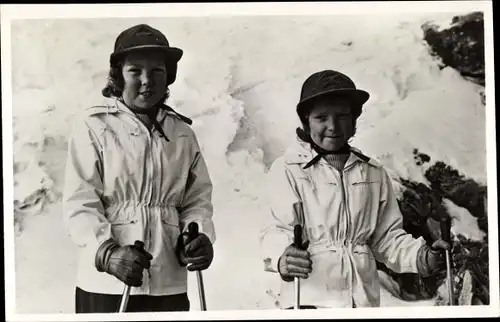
134,211
139,204
330,245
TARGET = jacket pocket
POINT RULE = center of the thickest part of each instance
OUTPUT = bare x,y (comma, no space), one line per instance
330,271
127,231
170,230
364,253
363,195
364,182
366,267
124,222
327,191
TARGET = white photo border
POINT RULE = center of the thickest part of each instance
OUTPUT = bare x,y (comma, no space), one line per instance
68,11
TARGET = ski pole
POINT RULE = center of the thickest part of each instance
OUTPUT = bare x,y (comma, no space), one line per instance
445,225
193,233
125,297
126,291
297,241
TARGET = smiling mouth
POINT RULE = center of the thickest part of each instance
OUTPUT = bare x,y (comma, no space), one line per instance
147,94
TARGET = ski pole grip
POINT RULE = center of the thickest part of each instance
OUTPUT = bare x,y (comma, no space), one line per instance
445,225
139,245
193,230
297,236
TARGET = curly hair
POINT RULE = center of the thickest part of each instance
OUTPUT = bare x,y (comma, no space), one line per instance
114,87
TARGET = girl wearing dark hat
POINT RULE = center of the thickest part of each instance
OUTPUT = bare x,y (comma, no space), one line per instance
135,172
350,215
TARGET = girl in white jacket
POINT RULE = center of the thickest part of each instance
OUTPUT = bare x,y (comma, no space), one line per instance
135,172
351,215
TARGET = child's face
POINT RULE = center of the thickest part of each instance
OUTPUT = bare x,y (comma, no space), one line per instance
145,78
331,123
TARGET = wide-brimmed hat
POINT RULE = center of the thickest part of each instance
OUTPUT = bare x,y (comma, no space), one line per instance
330,83
141,37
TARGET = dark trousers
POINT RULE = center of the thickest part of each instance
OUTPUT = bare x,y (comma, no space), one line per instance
311,307
303,307
86,302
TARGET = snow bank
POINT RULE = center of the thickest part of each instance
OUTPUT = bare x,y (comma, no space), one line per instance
463,223
240,80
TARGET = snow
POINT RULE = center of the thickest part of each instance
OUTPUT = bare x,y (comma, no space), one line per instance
463,223
240,80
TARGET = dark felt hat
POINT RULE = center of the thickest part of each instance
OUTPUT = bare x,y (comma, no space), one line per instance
332,84
141,37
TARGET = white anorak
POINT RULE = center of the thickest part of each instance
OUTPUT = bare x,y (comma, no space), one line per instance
352,219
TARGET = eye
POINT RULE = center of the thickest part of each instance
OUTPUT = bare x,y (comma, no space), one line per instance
159,69
134,71
320,117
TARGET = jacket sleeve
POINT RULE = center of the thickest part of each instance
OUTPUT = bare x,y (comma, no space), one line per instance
197,202
277,232
390,243
83,211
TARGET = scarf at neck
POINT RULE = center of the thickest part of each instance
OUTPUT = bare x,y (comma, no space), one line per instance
145,114
343,151
153,111
150,112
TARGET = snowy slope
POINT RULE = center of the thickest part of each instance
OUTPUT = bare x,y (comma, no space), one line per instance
240,80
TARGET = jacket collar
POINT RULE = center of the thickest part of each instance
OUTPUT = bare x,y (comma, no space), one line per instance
167,123
301,153
124,108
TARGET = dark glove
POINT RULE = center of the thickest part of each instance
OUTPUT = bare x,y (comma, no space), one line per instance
432,260
197,253
295,262
124,262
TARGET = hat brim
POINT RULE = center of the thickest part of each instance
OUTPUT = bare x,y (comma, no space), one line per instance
358,96
173,54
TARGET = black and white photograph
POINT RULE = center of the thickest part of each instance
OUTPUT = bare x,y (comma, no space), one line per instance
249,160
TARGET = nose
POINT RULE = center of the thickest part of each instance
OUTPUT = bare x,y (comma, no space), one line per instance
331,123
146,78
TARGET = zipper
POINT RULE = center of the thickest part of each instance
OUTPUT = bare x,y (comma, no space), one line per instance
348,217
150,177
346,204
152,168
150,138
346,195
